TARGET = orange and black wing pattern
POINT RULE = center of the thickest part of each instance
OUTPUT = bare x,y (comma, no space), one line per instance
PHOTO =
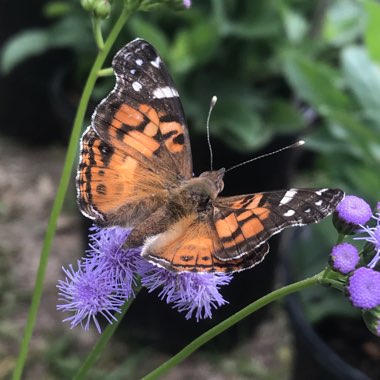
143,114
137,146
245,222
191,244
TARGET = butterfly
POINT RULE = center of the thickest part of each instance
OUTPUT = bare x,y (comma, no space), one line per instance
135,171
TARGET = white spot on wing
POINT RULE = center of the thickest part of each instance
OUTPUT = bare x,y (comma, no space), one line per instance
307,211
319,192
132,71
137,86
289,195
318,203
139,62
289,213
156,62
165,92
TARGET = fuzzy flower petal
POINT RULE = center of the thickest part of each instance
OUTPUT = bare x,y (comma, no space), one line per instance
373,238
187,3
106,251
364,288
87,293
354,210
194,293
344,258
350,213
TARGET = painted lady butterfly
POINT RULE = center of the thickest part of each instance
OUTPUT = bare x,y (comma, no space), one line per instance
136,171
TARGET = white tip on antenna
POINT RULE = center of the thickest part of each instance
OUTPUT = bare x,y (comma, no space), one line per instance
214,99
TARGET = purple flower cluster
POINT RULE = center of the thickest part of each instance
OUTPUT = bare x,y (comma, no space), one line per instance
363,277
105,279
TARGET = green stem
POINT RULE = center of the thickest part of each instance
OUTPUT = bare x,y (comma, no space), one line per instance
333,283
62,189
103,340
105,72
227,323
98,35
340,238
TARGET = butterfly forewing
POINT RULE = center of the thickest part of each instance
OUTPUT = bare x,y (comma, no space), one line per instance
245,222
143,114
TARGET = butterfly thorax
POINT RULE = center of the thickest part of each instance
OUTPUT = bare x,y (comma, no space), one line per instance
198,193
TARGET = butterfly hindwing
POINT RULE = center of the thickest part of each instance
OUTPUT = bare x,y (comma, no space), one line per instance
245,222
191,244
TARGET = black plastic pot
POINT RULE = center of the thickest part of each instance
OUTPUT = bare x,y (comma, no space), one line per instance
314,358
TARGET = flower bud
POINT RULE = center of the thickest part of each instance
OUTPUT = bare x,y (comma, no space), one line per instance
350,213
372,320
102,9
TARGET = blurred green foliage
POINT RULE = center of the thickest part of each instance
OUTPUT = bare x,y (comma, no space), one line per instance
271,63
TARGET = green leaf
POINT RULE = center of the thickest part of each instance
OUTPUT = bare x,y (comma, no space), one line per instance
363,78
242,129
57,9
346,126
343,23
22,46
284,118
150,32
372,30
315,82
295,25
194,46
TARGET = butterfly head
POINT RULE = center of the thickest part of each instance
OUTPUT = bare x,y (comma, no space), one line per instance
216,177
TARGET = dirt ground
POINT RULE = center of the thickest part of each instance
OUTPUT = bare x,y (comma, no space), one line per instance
28,181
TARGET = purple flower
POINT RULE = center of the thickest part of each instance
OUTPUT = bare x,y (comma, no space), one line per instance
364,288
88,292
344,258
106,252
105,278
373,238
350,213
193,293
187,3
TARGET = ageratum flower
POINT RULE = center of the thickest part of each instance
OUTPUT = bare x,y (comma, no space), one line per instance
194,293
105,278
344,258
88,292
351,213
373,239
364,288
106,251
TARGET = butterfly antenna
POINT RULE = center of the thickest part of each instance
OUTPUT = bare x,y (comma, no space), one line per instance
212,104
295,145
